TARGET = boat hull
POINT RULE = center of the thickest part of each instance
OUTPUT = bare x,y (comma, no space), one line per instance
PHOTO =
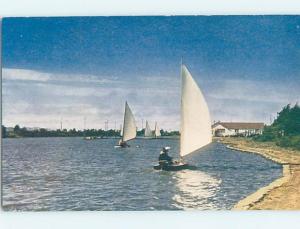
174,167
120,146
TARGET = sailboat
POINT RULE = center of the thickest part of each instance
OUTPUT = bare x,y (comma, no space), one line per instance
156,131
129,128
121,130
195,121
148,131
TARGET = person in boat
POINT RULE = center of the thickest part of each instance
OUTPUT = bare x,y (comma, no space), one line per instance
123,144
164,158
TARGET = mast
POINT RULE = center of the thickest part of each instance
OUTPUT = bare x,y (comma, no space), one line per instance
180,109
124,121
121,129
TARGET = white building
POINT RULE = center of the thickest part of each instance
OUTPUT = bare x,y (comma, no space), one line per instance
32,128
222,129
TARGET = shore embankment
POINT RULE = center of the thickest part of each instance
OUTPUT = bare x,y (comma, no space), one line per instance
281,194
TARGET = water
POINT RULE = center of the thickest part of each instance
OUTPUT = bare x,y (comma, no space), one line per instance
75,174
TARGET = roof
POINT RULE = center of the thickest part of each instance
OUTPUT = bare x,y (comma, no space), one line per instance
241,125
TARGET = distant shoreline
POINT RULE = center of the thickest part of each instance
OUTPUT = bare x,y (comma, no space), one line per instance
108,137
282,193
25,132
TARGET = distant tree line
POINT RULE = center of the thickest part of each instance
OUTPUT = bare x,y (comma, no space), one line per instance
19,132
43,132
285,130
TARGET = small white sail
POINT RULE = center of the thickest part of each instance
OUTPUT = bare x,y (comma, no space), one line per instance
129,126
195,118
121,130
157,131
148,131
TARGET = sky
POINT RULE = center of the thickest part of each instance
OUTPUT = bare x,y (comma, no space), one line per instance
71,68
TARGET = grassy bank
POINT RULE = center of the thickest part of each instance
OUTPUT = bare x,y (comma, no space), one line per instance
283,193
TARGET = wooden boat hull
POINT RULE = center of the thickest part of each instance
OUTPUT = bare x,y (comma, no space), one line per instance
173,167
119,146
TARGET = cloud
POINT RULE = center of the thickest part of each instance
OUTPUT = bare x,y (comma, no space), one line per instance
33,98
41,100
255,91
24,75
247,100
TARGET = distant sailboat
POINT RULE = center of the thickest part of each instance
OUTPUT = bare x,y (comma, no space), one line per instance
195,120
156,131
129,127
121,130
148,131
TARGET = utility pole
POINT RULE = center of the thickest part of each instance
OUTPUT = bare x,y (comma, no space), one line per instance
84,123
106,125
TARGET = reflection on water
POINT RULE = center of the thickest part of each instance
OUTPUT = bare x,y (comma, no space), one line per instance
44,174
196,190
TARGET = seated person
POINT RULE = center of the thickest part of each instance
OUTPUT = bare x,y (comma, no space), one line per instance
164,157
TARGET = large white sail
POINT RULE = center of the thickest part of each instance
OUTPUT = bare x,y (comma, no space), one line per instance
129,126
148,131
195,118
157,131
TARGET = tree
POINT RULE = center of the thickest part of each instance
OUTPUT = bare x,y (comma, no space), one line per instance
16,128
285,130
3,131
288,121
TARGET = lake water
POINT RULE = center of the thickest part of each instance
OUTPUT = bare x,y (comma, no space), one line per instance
75,174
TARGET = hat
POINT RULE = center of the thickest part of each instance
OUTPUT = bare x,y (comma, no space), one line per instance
167,147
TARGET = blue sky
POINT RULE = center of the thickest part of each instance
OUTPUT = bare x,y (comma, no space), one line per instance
75,67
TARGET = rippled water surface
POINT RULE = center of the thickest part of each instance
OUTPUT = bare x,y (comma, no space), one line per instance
75,174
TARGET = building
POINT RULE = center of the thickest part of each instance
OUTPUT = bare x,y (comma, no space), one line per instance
222,129
32,128
9,129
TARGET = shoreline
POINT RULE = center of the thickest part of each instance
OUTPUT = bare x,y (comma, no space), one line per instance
98,137
282,193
